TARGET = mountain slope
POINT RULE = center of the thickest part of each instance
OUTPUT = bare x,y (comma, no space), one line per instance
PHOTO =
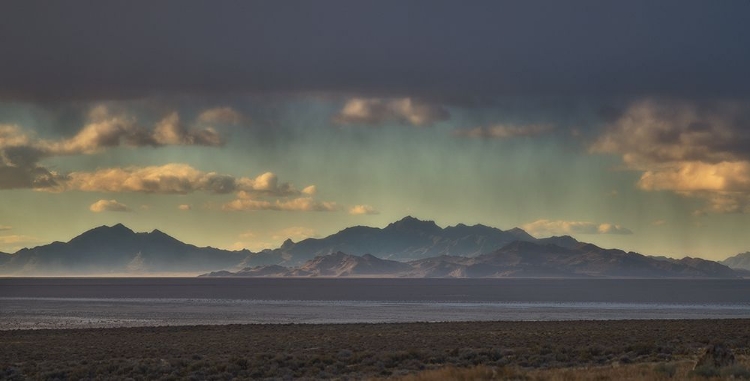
537,259
739,261
517,259
117,249
251,272
340,264
5,257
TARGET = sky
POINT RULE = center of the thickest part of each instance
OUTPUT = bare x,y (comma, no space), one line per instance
241,124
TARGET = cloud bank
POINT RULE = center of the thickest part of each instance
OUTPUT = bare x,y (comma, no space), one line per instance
545,228
401,111
174,178
105,130
21,152
382,48
694,149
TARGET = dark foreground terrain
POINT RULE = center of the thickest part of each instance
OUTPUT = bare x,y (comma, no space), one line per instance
477,350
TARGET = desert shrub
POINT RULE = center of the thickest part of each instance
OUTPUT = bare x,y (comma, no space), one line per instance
171,377
704,371
345,354
643,349
241,362
437,359
11,373
735,371
197,365
668,369
466,374
467,353
55,375
197,376
328,359
545,350
562,357
597,350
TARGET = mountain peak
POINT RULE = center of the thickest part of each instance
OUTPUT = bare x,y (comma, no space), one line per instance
158,236
521,234
287,243
565,241
103,233
408,219
412,223
156,233
116,228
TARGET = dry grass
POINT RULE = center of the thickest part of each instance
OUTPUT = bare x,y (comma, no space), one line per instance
507,350
681,370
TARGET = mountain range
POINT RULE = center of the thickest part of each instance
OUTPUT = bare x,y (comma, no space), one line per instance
517,259
403,240
119,250
406,248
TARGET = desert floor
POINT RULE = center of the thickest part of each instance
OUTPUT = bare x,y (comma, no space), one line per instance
636,349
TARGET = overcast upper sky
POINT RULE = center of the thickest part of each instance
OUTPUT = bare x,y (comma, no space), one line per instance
241,124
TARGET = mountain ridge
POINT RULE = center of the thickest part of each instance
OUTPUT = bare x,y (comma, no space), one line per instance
118,250
428,250
517,259
406,239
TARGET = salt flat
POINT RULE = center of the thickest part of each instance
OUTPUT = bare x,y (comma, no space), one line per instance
105,303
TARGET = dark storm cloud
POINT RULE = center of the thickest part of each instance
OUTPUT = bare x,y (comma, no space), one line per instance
25,177
460,50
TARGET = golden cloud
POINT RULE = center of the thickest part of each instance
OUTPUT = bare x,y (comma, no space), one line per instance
376,111
221,115
301,204
362,209
690,149
544,228
108,206
503,131
173,178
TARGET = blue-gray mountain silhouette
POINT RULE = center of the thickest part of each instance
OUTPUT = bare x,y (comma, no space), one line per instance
5,257
403,240
739,261
332,265
406,248
117,249
517,259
